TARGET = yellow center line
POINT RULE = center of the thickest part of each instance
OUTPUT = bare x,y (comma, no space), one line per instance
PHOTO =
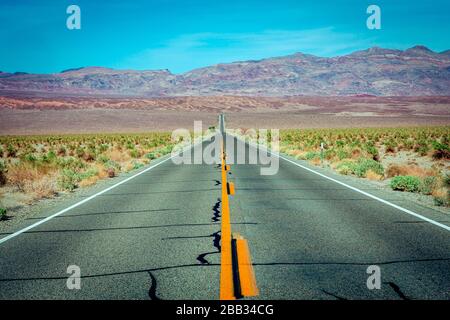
226,267
247,278
242,270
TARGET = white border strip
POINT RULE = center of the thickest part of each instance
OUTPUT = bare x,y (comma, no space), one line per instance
15,234
354,189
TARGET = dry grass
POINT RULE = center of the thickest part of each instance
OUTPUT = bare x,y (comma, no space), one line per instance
118,156
102,171
441,196
43,187
20,176
89,181
129,166
373,175
407,170
379,153
440,192
356,153
41,166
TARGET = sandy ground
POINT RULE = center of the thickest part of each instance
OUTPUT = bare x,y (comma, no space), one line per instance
26,115
15,122
298,120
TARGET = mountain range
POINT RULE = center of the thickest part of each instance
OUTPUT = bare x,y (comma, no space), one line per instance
417,71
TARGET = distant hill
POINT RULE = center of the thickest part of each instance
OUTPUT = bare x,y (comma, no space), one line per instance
417,71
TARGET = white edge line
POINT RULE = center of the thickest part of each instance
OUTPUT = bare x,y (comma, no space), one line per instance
353,188
15,234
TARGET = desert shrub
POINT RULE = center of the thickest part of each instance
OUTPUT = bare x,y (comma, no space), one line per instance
298,155
151,155
40,165
3,215
372,150
88,181
409,144
348,146
447,180
79,152
103,147
2,173
68,179
165,150
441,197
112,168
428,184
89,156
62,151
422,148
87,174
356,153
312,155
360,167
11,151
440,201
29,157
42,187
130,145
407,170
391,146
137,165
71,163
134,153
102,159
19,175
441,151
118,156
363,165
373,175
405,183
113,165
342,154
345,167
329,154
394,170
49,157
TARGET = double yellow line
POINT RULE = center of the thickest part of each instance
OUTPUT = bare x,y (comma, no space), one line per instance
237,278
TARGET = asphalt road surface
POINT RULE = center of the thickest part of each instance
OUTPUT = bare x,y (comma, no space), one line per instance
157,236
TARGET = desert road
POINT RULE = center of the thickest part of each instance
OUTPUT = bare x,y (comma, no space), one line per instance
158,236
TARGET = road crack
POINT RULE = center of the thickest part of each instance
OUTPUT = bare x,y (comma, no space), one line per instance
152,290
216,211
216,244
397,290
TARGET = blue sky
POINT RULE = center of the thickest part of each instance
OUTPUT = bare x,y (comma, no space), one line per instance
183,35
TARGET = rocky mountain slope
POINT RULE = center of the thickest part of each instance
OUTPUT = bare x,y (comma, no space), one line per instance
417,71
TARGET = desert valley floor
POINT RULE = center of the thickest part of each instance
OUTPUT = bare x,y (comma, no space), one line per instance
33,115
